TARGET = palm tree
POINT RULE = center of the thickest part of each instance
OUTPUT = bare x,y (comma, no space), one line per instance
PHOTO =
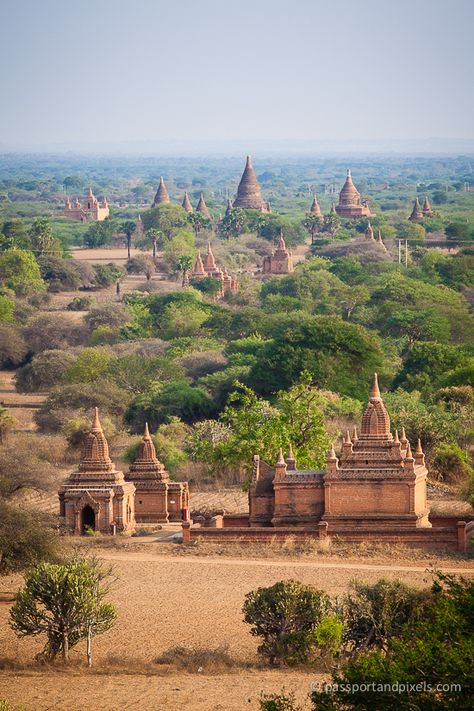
128,228
183,265
154,235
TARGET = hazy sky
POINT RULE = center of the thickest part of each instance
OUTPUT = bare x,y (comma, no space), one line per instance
234,70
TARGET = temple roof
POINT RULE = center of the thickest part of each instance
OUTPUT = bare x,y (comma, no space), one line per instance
95,450
147,464
248,192
375,421
161,196
209,260
349,194
202,207
315,209
416,213
198,269
186,204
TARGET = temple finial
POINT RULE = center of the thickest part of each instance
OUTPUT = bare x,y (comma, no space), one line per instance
96,421
375,392
280,459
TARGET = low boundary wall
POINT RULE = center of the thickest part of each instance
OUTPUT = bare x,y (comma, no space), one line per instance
446,533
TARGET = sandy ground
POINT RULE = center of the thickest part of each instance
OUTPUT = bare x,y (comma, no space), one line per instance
168,600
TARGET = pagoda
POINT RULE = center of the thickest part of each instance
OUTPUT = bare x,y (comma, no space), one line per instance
249,195
315,209
186,204
280,261
96,496
369,232
157,498
427,211
202,207
208,267
161,197
376,482
350,205
416,213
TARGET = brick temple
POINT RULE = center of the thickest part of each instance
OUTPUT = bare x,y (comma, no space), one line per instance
90,210
96,495
249,195
162,197
208,267
375,489
157,498
100,498
279,261
350,205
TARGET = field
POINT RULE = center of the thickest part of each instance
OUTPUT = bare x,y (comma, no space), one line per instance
164,600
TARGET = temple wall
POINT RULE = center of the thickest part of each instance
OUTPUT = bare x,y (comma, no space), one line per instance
447,533
297,503
358,497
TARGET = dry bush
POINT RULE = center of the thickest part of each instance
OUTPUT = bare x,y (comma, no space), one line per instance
145,347
196,660
50,331
197,365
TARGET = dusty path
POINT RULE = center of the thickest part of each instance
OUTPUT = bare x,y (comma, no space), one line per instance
392,567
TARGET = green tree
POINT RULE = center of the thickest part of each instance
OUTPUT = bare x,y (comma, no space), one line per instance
312,224
426,667
183,265
19,271
167,219
7,309
199,222
177,398
99,233
232,224
66,603
286,617
41,236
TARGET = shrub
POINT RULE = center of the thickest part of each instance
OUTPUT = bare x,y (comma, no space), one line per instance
13,347
51,331
451,463
111,315
106,274
286,617
26,538
279,702
198,659
81,303
373,614
44,371
59,274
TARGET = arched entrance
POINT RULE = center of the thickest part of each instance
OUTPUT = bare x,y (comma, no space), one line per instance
87,519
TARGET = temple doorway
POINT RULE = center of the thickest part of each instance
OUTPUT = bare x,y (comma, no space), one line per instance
88,519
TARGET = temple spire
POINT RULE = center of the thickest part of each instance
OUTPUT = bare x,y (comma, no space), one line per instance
416,213
369,232
375,392
249,195
161,197
186,204
202,207
315,209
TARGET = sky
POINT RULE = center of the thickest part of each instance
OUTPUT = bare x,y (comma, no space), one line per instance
183,74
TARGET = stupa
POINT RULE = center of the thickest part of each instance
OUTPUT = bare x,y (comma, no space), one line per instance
315,209
350,205
186,204
416,213
161,197
427,211
202,207
249,195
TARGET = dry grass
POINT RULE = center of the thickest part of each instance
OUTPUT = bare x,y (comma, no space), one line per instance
197,660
